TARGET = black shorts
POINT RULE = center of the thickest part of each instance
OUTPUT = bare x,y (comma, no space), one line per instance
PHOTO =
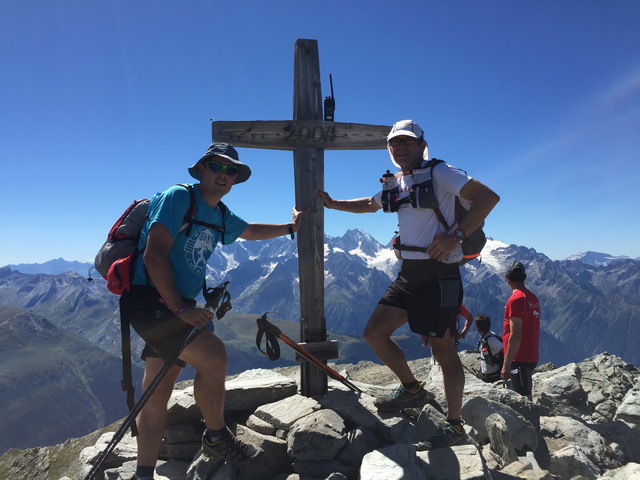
159,327
430,292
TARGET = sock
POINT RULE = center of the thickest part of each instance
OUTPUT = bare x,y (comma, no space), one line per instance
456,424
215,435
144,472
412,386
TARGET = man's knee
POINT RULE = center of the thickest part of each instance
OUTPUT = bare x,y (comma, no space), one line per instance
383,322
206,353
372,335
444,349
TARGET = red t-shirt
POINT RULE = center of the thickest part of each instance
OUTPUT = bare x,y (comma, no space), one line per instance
525,305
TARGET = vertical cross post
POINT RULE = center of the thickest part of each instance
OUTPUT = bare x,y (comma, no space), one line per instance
309,176
307,135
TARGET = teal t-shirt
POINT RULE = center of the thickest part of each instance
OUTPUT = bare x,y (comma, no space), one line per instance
188,255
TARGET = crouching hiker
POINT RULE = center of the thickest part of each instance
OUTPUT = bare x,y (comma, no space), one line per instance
491,350
161,305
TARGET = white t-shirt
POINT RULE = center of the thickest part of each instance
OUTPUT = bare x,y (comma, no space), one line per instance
495,346
418,226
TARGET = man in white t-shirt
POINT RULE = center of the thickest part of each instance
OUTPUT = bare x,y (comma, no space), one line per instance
428,292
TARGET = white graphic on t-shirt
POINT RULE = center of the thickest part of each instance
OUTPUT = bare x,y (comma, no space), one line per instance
198,248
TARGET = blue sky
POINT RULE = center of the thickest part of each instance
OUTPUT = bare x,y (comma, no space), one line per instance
105,102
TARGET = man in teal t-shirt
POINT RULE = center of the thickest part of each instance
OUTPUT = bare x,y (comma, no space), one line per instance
161,304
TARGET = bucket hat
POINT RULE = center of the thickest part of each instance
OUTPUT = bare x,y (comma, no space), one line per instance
226,151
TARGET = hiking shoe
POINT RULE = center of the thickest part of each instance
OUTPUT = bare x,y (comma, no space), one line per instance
446,437
230,449
401,398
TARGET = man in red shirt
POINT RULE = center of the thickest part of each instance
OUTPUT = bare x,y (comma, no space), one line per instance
521,331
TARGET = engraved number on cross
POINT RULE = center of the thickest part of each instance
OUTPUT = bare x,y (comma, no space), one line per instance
317,134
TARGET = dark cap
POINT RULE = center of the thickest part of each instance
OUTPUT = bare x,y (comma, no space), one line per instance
516,272
226,151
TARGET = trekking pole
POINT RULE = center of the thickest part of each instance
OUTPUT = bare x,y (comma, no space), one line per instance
273,334
475,374
212,297
133,413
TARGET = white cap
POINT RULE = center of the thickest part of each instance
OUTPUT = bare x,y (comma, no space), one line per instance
408,128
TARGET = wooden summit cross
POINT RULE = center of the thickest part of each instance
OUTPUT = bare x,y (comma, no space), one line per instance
307,135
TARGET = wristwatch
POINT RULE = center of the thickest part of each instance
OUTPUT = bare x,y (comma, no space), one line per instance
459,235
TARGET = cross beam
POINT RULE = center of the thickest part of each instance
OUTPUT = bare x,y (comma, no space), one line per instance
307,135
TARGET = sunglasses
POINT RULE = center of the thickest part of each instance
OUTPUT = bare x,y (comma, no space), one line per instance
218,167
397,141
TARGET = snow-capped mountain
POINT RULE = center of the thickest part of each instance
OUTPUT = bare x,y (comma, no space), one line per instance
586,308
597,258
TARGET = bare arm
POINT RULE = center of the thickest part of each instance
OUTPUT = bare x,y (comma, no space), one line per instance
468,320
484,199
513,345
156,260
264,231
356,205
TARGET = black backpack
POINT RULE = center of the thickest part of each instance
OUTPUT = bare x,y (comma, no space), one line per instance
424,196
475,242
485,351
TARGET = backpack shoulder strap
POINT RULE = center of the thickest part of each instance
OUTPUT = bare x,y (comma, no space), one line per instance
189,217
191,211
432,163
127,380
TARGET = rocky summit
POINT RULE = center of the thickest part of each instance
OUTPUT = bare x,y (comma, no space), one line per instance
583,422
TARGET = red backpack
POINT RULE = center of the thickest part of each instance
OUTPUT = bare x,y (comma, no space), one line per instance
116,258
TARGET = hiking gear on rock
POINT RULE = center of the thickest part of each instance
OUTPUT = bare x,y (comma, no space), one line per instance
401,398
448,436
116,258
230,449
422,195
273,334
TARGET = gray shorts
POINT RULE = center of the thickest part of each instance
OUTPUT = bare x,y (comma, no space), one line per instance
161,330
430,292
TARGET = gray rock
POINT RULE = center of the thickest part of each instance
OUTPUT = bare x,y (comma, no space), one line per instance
630,471
323,468
460,461
354,436
396,462
318,436
629,409
284,413
360,441
259,425
565,433
253,388
429,421
522,433
523,468
499,439
562,385
573,461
